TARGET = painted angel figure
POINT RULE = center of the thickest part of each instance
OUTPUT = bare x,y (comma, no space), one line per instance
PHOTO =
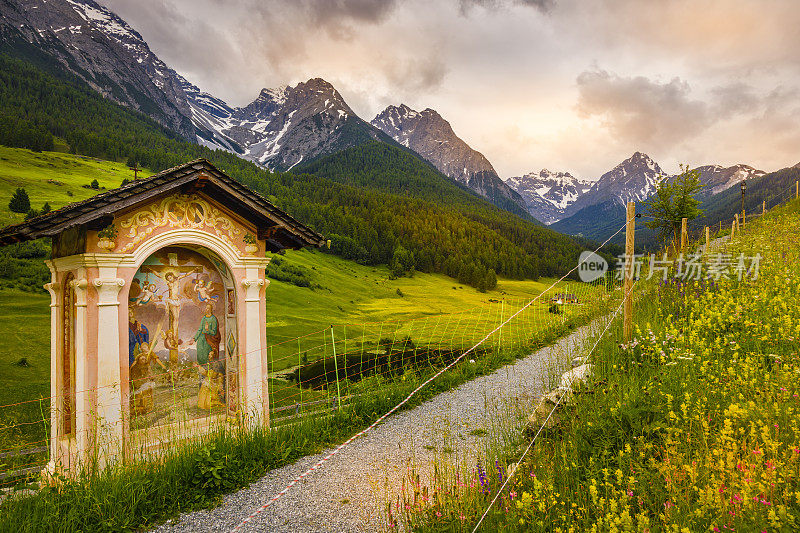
204,291
147,294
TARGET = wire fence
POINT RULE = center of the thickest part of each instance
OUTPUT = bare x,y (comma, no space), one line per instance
169,399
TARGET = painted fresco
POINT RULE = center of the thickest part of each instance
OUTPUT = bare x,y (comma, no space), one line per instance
179,362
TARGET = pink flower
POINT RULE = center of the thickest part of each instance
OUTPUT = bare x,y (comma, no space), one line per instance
737,497
438,514
770,465
756,452
630,493
512,494
462,517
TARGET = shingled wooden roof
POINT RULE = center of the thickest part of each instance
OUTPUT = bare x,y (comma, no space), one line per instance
275,226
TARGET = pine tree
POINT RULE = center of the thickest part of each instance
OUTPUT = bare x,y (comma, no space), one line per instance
491,279
46,208
94,185
20,203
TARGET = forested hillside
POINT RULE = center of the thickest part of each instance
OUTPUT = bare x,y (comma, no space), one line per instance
394,168
424,223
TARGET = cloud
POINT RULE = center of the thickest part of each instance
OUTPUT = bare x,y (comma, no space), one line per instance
735,98
369,11
640,110
714,82
544,6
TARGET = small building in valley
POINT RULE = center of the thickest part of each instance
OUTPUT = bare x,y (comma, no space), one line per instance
158,311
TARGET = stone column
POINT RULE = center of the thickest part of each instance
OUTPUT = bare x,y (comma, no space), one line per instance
255,403
83,410
56,334
109,394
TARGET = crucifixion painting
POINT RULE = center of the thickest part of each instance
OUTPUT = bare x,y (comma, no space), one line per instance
172,275
176,309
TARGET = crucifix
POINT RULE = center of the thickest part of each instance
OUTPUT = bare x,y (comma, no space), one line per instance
136,170
172,274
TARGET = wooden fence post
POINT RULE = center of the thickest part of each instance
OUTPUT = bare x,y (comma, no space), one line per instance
733,229
684,235
763,207
708,240
336,369
630,225
299,366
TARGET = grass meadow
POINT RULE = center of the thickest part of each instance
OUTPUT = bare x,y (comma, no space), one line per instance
331,305
53,177
692,426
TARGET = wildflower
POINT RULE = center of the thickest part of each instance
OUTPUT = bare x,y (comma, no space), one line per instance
500,471
483,479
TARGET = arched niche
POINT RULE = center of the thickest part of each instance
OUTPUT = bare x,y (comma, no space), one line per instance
182,338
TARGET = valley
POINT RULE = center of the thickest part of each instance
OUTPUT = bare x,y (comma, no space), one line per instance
292,265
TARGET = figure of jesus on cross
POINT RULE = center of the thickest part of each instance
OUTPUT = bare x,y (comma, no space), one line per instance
172,275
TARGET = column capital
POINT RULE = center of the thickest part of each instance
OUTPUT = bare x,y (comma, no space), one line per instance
253,288
108,290
54,288
81,288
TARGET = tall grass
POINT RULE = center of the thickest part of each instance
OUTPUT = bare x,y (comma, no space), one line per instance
692,426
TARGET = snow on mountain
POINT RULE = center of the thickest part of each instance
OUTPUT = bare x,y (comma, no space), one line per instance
547,194
635,179
283,126
280,128
99,47
431,136
717,178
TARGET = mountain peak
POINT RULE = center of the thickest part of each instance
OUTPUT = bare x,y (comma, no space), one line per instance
547,193
274,92
431,136
317,84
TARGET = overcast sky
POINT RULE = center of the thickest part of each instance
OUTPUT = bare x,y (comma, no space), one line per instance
575,85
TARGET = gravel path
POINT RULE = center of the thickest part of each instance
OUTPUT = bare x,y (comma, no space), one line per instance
349,492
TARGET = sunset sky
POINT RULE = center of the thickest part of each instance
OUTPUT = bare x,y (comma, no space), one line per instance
560,84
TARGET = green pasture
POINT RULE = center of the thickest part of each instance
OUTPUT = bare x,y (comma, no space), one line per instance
365,305
53,177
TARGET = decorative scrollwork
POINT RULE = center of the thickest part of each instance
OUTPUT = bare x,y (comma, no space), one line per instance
179,211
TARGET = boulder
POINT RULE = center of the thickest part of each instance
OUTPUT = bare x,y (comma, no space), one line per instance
547,405
579,375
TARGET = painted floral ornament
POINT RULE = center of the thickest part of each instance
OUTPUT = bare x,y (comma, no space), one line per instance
250,244
107,238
